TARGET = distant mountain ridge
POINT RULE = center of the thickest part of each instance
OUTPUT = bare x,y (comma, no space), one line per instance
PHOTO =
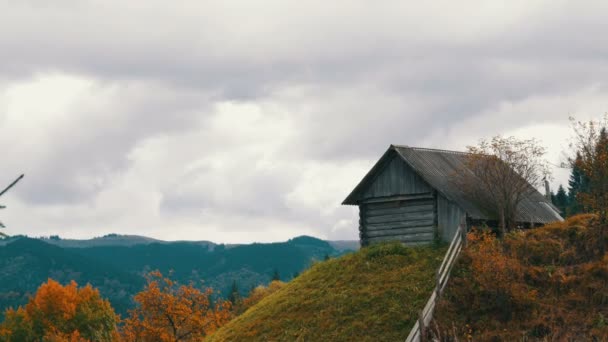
132,240
116,263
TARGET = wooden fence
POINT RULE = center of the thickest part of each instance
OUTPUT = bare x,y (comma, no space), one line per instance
443,274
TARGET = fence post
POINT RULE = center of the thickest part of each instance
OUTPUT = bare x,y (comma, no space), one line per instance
422,327
438,283
463,231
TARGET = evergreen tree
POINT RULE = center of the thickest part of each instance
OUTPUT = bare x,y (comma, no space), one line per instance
561,200
276,275
576,184
234,296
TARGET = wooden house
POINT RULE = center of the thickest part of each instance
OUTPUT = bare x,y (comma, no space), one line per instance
410,196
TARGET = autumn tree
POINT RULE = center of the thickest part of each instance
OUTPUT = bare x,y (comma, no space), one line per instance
591,145
504,172
61,313
168,311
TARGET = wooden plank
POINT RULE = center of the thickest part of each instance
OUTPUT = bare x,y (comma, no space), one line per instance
427,312
449,271
394,177
400,217
420,237
397,210
403,230
452,246
409,197
397,232
414,335
397,225
396,204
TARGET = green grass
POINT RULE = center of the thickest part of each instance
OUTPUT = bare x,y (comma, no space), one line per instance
371,295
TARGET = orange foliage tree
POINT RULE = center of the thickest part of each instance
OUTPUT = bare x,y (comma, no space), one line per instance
168,311
61,313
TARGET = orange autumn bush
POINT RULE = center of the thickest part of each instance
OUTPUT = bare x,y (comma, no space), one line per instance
168,311
61,313
541,284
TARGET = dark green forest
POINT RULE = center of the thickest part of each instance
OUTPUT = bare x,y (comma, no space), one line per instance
118,271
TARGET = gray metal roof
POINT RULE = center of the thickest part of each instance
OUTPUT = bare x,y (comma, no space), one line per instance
439,167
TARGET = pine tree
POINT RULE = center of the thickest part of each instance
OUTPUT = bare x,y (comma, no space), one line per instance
234,296
576,184
276,275
561,200
592,162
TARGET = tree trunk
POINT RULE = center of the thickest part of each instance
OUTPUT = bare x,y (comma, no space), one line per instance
503,222
602,232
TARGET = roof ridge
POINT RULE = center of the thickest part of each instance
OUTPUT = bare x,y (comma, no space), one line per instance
429,149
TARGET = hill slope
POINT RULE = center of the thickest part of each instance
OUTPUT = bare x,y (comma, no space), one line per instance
371,295
545,284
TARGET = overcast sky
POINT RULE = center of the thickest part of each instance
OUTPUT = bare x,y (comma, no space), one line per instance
240,121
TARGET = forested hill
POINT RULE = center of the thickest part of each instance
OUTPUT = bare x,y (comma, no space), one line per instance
118,269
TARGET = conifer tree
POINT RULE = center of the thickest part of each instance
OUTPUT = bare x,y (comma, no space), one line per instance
577,183
276,275
561,200
234,297
592,161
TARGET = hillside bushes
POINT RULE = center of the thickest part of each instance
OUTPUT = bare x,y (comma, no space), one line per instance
546,283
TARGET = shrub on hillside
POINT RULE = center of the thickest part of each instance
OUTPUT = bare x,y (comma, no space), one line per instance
542,283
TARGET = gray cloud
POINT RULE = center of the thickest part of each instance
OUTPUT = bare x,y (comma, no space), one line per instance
222,117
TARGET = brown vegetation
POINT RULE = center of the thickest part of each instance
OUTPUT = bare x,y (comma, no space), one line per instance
543,284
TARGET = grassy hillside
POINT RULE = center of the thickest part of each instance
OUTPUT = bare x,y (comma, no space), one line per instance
546,284
371,295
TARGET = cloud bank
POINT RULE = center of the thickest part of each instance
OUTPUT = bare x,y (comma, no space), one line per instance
240,122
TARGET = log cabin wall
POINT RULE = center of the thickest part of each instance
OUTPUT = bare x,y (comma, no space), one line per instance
397,205
449,216
410,221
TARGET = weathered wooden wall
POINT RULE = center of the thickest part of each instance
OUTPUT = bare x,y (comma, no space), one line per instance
449,216
396,178
399,205
408,221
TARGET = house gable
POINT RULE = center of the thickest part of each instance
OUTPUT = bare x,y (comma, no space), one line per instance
390,177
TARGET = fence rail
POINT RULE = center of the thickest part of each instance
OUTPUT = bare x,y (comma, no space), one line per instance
443,275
